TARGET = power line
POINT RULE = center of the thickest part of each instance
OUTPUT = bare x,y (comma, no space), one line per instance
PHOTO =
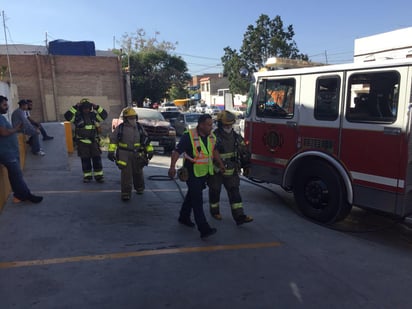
200,57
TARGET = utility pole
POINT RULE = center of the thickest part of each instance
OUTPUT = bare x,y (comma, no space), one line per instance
7,48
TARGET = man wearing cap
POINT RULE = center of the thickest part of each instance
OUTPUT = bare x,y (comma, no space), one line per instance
19,117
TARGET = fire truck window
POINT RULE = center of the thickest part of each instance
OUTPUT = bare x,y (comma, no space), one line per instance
276,98
373,97
327,98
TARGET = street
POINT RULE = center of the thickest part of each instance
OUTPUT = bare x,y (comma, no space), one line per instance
82,247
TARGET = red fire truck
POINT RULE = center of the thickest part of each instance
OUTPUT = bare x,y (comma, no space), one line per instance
334,135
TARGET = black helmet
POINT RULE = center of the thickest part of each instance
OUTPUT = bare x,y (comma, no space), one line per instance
85,103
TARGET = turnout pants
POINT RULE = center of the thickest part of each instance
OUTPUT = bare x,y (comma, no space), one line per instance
90,155
231,184
131,174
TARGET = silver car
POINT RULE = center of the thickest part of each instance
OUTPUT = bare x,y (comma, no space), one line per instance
186,121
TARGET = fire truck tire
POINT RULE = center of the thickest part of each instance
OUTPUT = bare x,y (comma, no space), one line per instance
319,192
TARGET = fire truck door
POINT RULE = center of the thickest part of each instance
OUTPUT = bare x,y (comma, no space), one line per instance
275,127
371,139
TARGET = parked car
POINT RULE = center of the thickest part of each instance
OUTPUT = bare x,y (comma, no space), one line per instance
213,110
201,108
186,121
239,111
162,135
168,107
171,116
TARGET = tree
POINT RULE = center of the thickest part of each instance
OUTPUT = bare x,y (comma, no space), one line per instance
267,39
153,70
232,66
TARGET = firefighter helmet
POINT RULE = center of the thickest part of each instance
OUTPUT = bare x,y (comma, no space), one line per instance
85,103
226,118
129,112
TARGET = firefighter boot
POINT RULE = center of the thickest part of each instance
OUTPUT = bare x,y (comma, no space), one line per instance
139,191
238,215
125,196
243,219
215,212
99,178
87,179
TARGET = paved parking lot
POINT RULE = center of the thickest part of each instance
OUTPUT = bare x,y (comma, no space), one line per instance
82,247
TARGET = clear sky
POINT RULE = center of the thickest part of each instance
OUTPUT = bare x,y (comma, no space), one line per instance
324,30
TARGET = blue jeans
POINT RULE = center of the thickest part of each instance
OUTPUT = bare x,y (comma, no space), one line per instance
194,200
35,143
17,183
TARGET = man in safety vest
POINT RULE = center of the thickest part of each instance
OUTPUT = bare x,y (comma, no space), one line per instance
130,148
197,145
234,154
86,118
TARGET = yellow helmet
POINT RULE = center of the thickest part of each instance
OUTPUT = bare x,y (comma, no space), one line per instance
226,117
84,100
129,112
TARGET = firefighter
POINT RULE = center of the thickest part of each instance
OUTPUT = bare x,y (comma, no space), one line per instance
86,117
130,148
235,156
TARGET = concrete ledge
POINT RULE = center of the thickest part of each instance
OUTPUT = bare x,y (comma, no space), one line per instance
4,179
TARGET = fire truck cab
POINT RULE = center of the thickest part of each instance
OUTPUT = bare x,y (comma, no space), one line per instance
334,135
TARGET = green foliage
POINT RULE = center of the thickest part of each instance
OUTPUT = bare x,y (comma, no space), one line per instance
153,70
177,92
267,39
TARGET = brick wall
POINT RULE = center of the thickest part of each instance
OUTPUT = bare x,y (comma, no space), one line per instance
55,83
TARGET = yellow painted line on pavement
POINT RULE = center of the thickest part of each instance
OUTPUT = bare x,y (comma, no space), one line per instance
124,255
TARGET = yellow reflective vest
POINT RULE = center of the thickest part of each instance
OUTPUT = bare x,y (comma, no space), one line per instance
202,154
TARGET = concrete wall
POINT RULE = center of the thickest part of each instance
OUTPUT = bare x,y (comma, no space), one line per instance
5,188
55,83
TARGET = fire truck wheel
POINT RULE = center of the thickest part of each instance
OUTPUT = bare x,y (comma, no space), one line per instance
320,193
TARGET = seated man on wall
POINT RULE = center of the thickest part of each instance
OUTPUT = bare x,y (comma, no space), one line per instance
19,117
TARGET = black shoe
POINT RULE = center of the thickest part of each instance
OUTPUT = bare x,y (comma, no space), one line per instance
208,232
47,138
99,179
186,222
87,180
35,199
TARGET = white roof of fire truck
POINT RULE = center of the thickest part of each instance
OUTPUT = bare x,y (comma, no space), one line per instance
281,66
